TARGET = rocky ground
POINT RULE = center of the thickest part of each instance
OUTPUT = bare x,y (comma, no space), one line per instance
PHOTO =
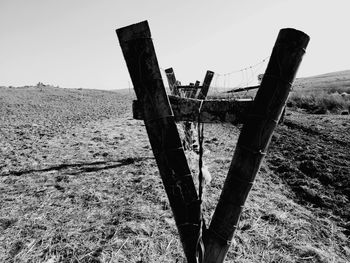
78,183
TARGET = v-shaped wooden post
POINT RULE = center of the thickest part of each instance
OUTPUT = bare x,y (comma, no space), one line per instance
262,118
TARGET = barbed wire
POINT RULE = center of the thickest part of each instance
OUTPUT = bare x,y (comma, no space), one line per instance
236,79
246,68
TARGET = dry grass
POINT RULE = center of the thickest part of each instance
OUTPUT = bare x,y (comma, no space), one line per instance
82,186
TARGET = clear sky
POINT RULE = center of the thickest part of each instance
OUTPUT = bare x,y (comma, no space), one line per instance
72,43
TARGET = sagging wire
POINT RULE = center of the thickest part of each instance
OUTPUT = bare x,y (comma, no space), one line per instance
223,80
247,74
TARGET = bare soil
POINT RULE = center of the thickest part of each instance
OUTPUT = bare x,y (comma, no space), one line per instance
311,155
78,183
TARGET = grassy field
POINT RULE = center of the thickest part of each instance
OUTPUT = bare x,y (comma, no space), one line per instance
79,183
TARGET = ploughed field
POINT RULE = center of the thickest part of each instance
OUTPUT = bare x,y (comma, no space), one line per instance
78,183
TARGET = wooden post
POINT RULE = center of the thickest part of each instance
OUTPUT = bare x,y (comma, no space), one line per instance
254,140
206,84
187,92
194,92
188,127
141,60
170,74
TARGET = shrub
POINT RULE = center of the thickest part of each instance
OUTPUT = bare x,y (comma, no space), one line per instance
319,102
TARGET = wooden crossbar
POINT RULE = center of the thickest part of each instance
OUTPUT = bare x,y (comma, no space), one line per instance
243,89
212,111
190,87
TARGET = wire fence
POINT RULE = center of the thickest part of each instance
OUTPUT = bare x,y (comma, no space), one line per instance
236,79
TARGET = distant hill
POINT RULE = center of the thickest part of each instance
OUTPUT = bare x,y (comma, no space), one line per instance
332,82
122,91
336,74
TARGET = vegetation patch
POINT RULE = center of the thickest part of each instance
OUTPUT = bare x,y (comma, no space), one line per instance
320,102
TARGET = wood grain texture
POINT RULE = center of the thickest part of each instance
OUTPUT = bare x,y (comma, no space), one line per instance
254,140
170,74
213,111
206,84
141,60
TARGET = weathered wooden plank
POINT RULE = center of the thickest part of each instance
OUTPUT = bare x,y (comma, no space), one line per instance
188,91
141,60
170,74
189,87
206,84
187,126
254,140
194,92
213,111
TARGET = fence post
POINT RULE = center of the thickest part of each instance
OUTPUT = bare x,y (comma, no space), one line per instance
206,84
254,140
141,60
188,127
170,74
194,92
